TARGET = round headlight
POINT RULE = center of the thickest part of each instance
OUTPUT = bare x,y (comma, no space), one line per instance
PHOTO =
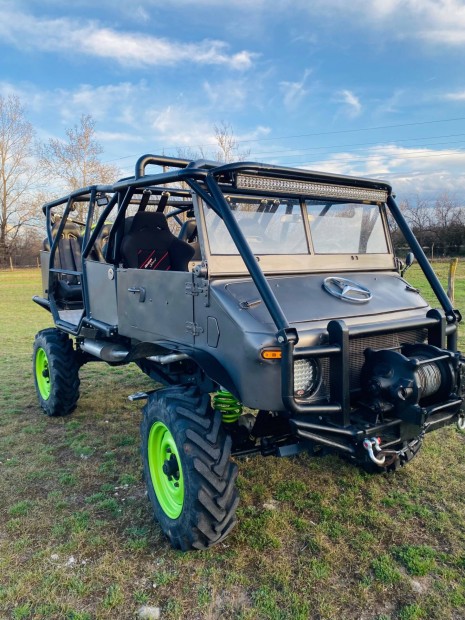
306,376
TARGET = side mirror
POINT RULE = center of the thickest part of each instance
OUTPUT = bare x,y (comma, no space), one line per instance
102,200
409,259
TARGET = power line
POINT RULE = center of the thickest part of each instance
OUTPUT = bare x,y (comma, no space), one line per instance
303,135
361,161
376,146
343,131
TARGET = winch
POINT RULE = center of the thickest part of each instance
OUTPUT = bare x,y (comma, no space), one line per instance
406,382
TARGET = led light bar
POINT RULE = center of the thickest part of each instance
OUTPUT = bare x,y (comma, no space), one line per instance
309,188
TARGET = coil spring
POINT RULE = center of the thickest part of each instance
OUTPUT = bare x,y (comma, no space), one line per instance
228,405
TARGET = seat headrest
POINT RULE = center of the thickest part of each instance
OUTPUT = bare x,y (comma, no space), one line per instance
71,230
188,231
149,220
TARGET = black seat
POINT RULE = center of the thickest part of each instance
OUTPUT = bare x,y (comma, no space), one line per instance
68,256
188,233
150,244
98,252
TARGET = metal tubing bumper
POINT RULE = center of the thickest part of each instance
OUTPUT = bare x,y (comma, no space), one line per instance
337,350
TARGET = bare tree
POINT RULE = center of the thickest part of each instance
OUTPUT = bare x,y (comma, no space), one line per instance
75,163
448,225
27,246
228,147
419,216
17,174
225,150
445,210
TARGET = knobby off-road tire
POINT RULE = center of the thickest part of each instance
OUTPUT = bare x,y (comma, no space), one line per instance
56,372
186,458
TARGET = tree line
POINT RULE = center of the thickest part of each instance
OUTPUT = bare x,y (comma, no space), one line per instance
438,225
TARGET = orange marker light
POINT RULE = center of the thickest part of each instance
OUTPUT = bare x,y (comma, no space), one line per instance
272,354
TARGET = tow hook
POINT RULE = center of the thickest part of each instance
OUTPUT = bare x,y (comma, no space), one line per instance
461,422
371,445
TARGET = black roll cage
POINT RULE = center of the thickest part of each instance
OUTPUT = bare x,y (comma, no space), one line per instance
209,181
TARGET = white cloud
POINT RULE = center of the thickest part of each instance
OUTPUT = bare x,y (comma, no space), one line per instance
441,22
185,127
460,96
140,14
127,48
31,97
229,94
422,171
127,118
392,104
117,102
117,136
351,103
256,134
294,92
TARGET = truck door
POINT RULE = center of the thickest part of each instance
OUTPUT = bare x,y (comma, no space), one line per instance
155,306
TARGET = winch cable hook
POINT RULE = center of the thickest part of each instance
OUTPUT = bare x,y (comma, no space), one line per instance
461,422
373,444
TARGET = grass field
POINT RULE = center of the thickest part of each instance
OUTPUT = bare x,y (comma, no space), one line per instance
316,538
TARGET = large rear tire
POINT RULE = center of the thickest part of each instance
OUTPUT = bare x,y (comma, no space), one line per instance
186,458
56,372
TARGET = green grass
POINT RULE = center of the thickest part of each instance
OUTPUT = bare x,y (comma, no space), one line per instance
316,538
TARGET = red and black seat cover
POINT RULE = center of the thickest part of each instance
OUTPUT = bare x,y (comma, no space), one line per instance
150,244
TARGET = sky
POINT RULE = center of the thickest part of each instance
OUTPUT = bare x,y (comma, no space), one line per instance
369,88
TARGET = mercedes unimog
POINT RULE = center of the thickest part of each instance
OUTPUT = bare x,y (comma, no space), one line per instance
268,302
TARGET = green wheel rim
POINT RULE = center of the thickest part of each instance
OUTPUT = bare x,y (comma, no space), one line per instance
165,470
43,374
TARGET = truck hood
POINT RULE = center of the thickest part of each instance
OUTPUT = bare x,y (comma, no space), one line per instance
304,299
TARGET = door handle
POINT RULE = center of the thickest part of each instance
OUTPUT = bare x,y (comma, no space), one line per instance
141,292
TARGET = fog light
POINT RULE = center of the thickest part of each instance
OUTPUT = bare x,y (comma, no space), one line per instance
306,377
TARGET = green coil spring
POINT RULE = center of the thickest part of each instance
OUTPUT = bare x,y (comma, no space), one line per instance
230,407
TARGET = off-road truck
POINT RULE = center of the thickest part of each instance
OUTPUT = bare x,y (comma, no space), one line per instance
269,303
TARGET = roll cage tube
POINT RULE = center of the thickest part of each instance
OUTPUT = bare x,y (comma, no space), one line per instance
285,332
99,225
91,191
174,162
156,160
452,314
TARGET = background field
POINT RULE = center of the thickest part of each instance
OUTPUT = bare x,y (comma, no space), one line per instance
316,538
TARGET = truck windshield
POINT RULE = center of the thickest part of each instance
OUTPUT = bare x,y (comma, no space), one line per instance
277,226
270,225
346,228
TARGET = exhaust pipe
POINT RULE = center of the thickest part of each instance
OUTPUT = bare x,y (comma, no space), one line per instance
113,352
169,358
107,351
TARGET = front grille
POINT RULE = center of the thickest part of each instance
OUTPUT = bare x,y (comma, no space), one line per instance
357,347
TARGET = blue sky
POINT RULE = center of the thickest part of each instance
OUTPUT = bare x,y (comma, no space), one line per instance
373,88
